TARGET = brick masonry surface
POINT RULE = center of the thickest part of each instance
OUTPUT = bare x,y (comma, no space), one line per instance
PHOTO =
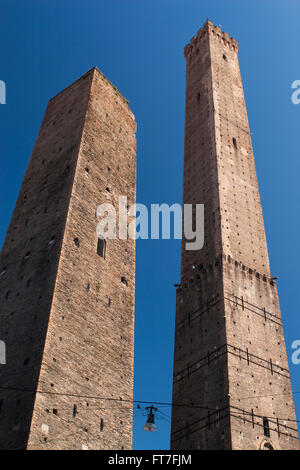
230,358
67,313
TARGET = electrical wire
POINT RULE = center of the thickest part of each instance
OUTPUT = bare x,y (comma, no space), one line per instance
189,405
106,398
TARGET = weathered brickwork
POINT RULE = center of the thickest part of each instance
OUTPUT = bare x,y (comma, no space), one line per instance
230,359
67,314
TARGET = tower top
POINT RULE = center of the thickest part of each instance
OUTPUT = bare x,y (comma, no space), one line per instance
94,70
209,29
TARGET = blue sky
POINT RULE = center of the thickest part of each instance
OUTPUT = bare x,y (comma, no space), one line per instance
138,45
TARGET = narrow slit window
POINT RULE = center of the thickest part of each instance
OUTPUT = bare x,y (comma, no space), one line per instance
101,247
266,427
3,272
74,411
101,424
234,142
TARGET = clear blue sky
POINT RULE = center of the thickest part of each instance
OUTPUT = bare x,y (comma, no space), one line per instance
138,45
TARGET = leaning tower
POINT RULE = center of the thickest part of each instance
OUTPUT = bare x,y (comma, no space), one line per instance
230,364
67,296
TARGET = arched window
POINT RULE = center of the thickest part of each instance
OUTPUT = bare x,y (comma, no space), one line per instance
101,246
266,445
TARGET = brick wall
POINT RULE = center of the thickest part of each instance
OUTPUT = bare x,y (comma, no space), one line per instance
230,358
75,319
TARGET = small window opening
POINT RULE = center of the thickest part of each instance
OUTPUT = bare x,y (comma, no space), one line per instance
101,247
76,242
101,424
198,97
225,57
124,280
74,411
234,142
54,411
266,427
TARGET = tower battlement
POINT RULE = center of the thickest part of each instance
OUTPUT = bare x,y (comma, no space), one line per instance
209,29
221,260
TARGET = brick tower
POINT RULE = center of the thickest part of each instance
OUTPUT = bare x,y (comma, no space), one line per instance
67,296
230,357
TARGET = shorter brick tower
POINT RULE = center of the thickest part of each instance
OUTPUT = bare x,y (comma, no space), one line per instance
67,297
230,364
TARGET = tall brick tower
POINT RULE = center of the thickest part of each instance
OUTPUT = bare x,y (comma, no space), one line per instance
67,297
230,357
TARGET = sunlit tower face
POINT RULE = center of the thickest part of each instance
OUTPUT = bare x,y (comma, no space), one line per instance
230,357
